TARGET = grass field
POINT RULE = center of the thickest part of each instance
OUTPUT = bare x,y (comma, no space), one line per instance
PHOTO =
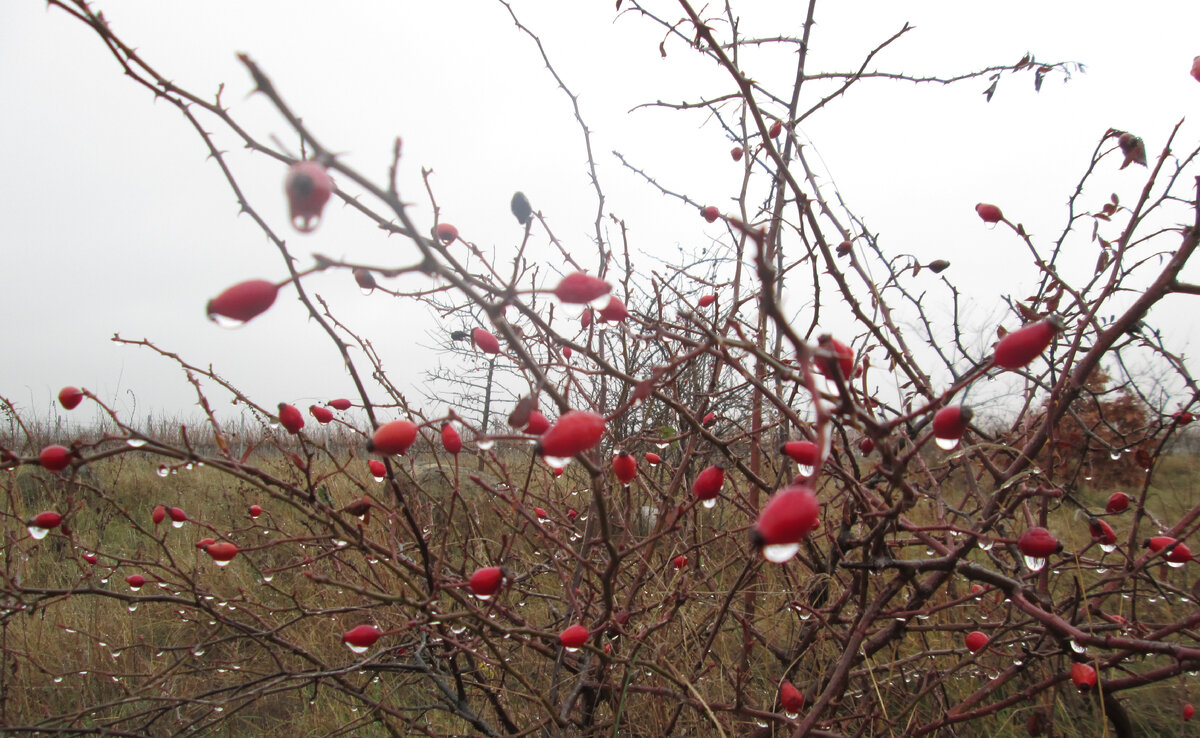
255,648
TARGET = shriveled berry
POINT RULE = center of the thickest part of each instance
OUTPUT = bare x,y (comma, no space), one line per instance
521,208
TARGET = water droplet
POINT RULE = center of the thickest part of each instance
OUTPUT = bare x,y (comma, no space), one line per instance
780,552
163,470
135,443
357,649
198,652
378,479
225,321
1115,455
267,578
1108,547
661,446
557,462
710,503
366,290
176,523
1076,647
38,533
986,544
115,654
485,444
1176,564
58,680
791,715
483,596
946,443
804,470
570,649
189,466
1035,563
1102,570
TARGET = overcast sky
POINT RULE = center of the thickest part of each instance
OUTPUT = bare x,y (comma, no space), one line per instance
113,221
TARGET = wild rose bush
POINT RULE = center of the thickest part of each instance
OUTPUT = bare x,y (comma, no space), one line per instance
732,520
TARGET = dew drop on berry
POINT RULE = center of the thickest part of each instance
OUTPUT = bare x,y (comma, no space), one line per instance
37,532
780,552
946,443
1035,563
485,444
710,503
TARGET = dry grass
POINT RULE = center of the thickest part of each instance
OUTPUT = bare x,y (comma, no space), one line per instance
254,648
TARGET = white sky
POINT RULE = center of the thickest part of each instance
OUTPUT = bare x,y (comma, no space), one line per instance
112,221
